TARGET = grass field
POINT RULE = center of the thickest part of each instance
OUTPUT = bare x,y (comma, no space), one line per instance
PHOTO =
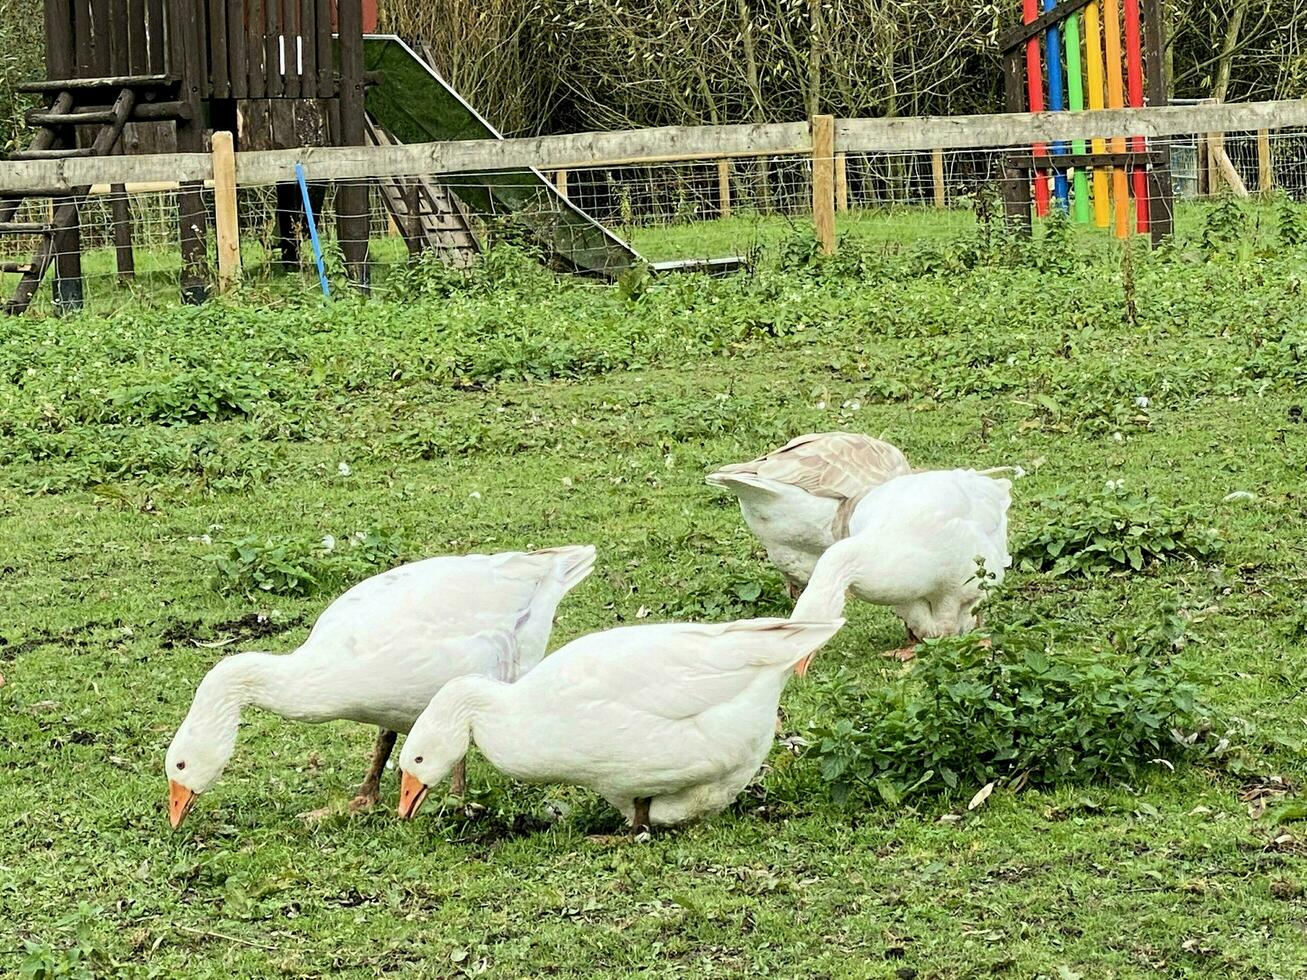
503,410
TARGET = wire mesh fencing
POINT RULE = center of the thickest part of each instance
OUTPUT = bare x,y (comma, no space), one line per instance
598,221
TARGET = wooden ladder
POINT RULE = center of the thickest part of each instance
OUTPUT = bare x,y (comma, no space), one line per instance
428,214
107,105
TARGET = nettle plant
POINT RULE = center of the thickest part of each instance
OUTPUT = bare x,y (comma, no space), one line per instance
1111,530
1026,711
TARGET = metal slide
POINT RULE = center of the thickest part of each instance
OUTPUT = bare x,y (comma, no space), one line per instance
415,105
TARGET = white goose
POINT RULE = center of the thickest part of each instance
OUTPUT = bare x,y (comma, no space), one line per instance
913,545
667,722
798,499
378,654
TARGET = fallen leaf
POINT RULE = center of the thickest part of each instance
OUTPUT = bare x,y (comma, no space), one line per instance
981,796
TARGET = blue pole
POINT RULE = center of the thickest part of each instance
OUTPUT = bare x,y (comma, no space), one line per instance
1056,101
313,229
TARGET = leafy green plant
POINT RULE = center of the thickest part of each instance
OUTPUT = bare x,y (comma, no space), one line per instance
1022,710
299,566
1113,529
199,394
1225,228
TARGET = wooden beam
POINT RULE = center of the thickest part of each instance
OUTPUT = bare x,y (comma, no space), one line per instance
226,225
1229,173
643,146
841,181
937,172
1017,37
823,182
1215,150
560,181
724,188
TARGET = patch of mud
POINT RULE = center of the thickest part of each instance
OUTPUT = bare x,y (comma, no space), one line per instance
242,629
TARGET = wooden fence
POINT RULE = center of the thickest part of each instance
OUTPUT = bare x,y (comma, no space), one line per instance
825,139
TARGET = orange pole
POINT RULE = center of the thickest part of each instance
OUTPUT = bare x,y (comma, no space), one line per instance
1116,100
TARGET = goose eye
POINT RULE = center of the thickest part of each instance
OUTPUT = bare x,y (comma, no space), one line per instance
418,760
181,765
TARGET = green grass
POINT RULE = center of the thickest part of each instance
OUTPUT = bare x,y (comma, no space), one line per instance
504,410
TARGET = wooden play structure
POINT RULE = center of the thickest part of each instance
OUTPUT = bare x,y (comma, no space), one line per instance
1089,55
162,76
148,75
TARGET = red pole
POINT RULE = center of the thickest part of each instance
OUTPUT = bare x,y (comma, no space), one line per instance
1035,88
1134,67
369,16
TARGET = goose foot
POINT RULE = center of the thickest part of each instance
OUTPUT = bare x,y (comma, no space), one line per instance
793,589
312,817
364,801
903,654
640,819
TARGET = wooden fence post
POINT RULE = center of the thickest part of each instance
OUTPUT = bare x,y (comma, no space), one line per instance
841,182
560,181
226,223
1265,169
823,182
1215,147
724,188
937,169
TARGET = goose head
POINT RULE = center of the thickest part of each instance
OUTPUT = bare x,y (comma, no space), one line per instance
196,758
438,740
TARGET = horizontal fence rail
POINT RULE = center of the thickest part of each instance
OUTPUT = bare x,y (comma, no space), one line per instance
663,144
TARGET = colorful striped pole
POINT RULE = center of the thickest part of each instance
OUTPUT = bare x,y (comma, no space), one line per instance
1035,94
1076,92
1094,69
1135,86
1116,100
1056,99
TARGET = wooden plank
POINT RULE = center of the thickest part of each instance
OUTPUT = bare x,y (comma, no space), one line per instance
226,225
176,48
122,233
308,36
937,173
60,53
119,55
1265,168
724,188
156,32
138,51
1072,160
841,181
218,56
292,45
237,70
587,150
102,40
256,84
85,64
823,182
273,23
560,181
326,72
69,287
1019,36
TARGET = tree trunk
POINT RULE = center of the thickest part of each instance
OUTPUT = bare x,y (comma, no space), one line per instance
1225,64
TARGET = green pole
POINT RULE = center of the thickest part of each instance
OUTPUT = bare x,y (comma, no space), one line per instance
1076,90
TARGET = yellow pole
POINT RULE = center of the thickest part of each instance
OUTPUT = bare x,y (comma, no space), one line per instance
1094,66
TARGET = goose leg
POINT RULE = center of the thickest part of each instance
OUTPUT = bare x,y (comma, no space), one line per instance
794,589
640,819
458,779
370,792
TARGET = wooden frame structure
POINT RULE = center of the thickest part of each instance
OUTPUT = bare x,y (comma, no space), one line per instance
1123,68
283,73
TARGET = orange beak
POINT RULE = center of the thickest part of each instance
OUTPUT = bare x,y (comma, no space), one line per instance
411,794
801,668
180,801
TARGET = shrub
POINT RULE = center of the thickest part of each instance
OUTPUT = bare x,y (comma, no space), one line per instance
1111,530
967,715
